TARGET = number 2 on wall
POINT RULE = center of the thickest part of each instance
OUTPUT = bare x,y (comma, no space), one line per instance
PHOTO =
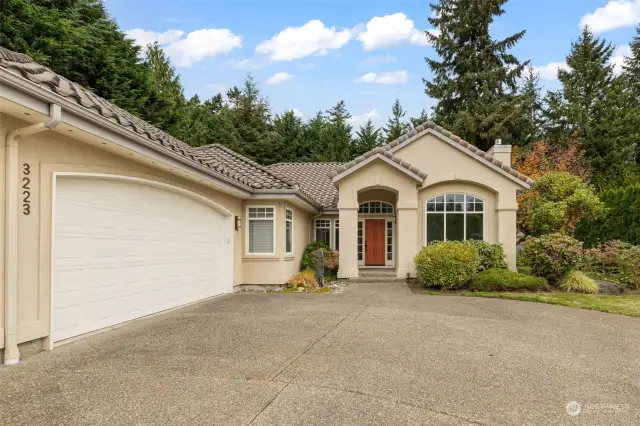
26,186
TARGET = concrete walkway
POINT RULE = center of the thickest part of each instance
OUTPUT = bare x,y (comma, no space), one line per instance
376,354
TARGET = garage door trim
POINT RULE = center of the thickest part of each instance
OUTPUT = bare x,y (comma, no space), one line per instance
105,176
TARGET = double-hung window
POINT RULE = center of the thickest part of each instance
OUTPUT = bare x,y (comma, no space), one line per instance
288,231
261,228
323,231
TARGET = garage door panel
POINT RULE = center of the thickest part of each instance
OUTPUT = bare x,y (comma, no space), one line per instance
125,249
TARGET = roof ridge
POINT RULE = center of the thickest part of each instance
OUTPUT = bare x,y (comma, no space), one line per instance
467,146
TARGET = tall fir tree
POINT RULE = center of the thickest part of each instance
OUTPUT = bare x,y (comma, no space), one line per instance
396,125
530,130
291,144
631,67
475,77
367,138
336,138
424,116
599,109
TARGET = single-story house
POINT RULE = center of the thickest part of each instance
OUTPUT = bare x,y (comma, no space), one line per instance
107,219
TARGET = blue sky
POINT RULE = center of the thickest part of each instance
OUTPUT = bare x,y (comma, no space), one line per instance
309,54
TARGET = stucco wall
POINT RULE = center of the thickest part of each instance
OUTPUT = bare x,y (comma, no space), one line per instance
50,152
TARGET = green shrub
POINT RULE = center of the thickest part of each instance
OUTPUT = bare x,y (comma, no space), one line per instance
621,220
447,264
578,282
505,280
552,256
306,279
606,257
491,255
630,267
309,255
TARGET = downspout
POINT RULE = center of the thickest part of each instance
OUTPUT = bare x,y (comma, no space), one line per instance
12,182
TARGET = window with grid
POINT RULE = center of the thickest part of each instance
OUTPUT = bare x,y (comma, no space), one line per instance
336,235
323,231
288,231
454,217
360,240
261,230
375,207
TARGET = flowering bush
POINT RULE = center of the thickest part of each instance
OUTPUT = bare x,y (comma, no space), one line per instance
606,257
447,264
331,262
306,279
630,267
552,256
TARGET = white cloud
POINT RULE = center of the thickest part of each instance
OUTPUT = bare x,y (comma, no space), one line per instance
617,60
313,38
217,88
360,119
390,30
550,71
143,37
196,46
615,14
279,77
393,77
298,113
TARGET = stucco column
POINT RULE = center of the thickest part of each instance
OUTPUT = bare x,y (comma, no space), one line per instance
507,233
348,242
407,248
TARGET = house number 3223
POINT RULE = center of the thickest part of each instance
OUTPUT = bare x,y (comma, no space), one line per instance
26,189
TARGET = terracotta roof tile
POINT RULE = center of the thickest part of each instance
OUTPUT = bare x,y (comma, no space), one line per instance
383,150
313,179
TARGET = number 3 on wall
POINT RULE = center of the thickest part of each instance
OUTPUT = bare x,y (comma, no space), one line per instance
26,186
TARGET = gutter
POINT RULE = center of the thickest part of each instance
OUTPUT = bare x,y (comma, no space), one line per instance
12,181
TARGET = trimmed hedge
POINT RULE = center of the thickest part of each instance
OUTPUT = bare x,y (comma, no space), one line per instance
505,280
620,222
448,264
552,256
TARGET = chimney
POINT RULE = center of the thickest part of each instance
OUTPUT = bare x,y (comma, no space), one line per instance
501,152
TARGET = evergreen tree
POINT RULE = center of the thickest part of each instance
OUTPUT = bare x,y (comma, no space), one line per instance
631,68
475,79
291,145
311,148
336,138
530,130
422,118
78,40
396,126
599,111
367,138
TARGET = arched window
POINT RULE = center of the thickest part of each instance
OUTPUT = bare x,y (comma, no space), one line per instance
375,207
454,217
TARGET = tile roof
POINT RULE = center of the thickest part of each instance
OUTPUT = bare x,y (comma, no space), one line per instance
313,179
468,148
402,163
221,161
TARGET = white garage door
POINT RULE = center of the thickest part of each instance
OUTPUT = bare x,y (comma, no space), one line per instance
124,249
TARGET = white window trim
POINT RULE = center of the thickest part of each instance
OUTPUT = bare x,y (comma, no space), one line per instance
391,262
246,227
330,228
484,216
288,253
363,219
393,209
361,262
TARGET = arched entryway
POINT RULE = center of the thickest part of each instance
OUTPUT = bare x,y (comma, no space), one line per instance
377,228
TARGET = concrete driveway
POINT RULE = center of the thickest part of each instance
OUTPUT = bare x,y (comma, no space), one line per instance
376,354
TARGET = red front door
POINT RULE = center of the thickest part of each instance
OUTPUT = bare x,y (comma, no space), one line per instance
374,242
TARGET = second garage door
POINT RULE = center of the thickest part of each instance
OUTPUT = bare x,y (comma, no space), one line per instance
124,249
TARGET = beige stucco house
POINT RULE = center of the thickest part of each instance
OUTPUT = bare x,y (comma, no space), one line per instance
107,219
